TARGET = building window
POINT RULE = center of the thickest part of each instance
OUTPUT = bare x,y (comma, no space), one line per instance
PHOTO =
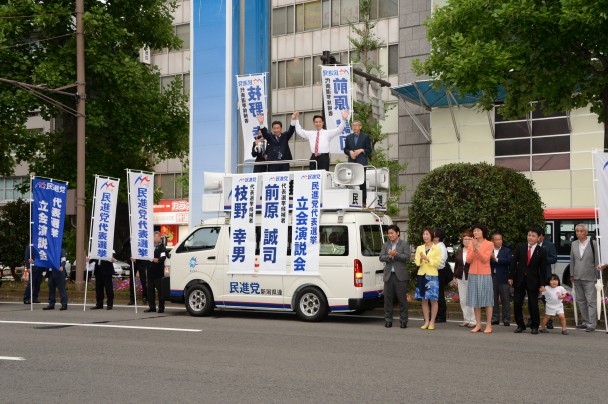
8,189
540,143
393,60
171,185
309,16
183,32
384,9
165,82
283,20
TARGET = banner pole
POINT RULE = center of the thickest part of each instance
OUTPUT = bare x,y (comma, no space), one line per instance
86,266
133,286
131,236
31,281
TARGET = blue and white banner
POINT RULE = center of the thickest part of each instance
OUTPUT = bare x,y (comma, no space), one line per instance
48,215
105,200
141,204
306,214
337,96
601,174
242,224
252,102
273,241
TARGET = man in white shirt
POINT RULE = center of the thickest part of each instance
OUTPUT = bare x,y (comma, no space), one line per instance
320,138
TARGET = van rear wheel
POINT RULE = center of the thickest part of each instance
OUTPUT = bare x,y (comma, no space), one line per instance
311,305
199,301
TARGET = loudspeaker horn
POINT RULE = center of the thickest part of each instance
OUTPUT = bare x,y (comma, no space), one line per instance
349,174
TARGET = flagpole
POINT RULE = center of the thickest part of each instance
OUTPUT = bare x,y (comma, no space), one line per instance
86,266
31,281
131,237
600,281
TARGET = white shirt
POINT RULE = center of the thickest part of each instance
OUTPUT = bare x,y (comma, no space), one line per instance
393,247
325,136
444,254
552,297
582,247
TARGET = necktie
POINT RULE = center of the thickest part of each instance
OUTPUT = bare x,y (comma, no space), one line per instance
317,145
529,254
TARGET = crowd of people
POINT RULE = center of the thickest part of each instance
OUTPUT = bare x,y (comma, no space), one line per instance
487,273
150,272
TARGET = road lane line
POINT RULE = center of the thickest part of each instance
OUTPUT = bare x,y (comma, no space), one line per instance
11,358
101,326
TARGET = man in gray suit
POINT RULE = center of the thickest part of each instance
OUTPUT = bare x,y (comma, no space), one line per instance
395,254
583,272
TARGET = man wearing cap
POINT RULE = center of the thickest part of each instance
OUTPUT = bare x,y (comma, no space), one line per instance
156,271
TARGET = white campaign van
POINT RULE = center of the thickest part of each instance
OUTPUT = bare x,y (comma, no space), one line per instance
347,278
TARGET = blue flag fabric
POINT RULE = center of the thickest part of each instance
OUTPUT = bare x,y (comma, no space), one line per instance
48,216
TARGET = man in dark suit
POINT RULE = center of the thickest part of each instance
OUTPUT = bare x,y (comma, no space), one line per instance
156,271
527,276
358,147
395,254
104,272
277,146
500,262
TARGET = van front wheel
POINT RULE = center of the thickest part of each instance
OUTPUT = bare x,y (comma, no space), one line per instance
311,305
199,301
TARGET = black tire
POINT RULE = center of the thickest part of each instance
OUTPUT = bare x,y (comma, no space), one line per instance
199,300
311,305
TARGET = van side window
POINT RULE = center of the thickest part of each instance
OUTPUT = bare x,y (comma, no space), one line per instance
204,238
371,239
334,241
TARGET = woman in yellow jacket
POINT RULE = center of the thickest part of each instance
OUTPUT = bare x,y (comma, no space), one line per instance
428,258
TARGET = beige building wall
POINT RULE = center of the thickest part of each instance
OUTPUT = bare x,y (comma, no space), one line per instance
558,189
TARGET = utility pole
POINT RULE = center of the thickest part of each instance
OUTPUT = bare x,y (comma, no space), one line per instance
80,147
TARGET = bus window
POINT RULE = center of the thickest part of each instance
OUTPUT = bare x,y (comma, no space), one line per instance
566,232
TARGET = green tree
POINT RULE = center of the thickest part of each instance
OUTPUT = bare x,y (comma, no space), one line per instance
14,219
456,196
553,52
365,44
130,121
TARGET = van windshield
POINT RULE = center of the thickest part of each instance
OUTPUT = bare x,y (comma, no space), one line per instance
371,239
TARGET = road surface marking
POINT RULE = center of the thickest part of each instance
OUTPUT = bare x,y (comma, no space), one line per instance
11,358
101,326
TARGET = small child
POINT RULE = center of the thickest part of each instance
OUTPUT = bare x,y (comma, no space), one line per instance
554,296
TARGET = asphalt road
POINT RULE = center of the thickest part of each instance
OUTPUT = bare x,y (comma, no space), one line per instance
119,356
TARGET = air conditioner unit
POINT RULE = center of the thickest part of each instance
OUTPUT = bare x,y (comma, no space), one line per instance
145,56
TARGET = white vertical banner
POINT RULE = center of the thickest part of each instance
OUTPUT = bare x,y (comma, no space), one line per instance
601,175
103,217
273,241
141,204
306,214
242,224
252,102
337,96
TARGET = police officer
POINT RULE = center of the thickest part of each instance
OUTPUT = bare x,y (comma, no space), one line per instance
104,271
155,275
57,281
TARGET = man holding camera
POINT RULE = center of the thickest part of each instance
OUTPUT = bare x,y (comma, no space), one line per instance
258,150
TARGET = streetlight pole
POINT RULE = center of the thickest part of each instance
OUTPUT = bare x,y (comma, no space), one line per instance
80,147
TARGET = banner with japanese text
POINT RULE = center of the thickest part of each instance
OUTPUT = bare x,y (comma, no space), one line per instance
141,204
337,96
273,241
252,102
601,174
306,213
242,224
105,200
48,215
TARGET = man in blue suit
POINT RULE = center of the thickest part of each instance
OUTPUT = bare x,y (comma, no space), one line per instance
277,143
358,147
35,276
500,262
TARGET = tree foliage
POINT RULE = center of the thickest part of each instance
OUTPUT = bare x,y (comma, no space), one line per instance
365,42
14,219
553,52
130,122
456,196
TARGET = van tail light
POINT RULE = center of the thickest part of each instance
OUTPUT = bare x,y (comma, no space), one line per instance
358,272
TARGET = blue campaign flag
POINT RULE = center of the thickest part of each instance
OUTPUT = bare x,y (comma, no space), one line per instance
48,215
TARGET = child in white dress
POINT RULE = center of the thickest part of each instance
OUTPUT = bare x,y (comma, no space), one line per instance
554,306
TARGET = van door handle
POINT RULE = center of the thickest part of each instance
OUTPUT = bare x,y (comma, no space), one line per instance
210,258
380,271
